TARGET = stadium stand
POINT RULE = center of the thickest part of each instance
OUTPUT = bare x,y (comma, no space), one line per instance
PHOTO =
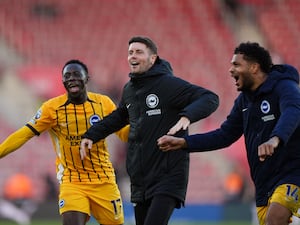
193,36
284,37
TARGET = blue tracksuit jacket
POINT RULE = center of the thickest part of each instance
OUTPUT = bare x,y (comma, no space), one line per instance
272,110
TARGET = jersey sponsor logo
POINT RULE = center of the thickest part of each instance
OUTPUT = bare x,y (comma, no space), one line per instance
94,119
265,106
74,140
152,101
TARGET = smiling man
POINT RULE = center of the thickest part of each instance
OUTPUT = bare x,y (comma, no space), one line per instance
87,187
267,113
154,101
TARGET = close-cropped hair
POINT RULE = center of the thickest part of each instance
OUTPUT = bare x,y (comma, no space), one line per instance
253,52
76,61
145,40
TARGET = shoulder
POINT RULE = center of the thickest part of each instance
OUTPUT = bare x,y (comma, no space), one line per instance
56,101
99,98
171,80
287,86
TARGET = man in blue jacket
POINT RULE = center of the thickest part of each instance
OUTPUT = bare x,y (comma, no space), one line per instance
153,101
267,113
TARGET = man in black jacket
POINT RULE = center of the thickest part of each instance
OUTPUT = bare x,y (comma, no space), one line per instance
154,101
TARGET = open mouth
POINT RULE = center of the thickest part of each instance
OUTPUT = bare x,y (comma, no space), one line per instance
73,87
236,78
134,64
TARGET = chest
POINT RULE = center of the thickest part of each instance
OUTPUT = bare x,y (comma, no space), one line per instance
261,112
75,120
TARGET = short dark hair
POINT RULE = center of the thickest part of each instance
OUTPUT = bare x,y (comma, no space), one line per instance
252,51
145,40
76,61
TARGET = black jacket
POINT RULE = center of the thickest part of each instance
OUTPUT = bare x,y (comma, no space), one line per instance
152,103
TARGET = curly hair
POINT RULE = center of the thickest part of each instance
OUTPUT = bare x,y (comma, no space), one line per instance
253,52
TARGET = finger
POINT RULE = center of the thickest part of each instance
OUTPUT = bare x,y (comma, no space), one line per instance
82,153
185,126
165,148
90,145
174,130
85,144
262,158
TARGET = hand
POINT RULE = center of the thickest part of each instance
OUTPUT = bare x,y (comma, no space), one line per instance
167,143
267,148
85,144
182,123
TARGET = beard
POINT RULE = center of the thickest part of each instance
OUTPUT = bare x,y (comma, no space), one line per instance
247,84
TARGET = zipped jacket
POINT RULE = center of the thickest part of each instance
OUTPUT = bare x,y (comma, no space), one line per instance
152,103
272,110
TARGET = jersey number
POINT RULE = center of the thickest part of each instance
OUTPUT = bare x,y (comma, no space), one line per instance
292,192
117,204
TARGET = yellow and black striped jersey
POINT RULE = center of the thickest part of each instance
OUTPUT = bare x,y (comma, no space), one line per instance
66,123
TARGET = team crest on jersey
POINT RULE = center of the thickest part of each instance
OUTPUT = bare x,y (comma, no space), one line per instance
152,101
94,119
265,106
36,117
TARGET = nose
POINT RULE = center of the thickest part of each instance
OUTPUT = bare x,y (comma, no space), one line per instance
230,70
132,55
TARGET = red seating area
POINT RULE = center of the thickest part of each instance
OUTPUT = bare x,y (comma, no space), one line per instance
280,24
51,32
190,34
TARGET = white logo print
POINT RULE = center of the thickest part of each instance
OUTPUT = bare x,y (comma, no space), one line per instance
94,119
61,203
36,117
152,101
265,106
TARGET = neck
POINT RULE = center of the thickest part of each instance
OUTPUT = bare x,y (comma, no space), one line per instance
260,80
78,99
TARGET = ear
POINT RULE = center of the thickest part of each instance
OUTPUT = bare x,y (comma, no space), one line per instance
254,67
153,58
87,78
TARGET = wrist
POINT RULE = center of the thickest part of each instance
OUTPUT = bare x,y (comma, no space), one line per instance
276,140
183,143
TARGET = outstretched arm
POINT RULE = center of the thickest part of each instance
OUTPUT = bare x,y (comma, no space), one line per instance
113,122
108,125
15,140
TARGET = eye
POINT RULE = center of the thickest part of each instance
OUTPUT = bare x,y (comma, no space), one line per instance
66,76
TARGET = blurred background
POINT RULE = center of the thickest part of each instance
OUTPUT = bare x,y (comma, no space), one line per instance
197,36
